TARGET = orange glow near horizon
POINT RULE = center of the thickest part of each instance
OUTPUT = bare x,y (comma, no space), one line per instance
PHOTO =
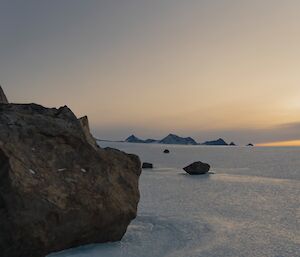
282,143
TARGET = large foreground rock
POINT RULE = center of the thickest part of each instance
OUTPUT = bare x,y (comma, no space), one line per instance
57,190
197,168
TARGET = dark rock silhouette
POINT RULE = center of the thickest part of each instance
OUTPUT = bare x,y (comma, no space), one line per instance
219,141
250,144
170,139
150,141
147,165
3,98
197,168
57,190
166,151
134,139
174,139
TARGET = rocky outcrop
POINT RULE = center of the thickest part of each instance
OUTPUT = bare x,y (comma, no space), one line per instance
232,144
250,144
3,98
147,165
197,168
57,190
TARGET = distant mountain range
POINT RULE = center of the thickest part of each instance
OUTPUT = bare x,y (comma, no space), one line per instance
177,140
219,141
134,139
170,139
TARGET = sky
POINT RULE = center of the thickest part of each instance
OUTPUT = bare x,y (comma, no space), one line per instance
200,68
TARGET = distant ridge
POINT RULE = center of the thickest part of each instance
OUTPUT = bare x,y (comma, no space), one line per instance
176,140
150,141
219,141
169,139
173,139
134,139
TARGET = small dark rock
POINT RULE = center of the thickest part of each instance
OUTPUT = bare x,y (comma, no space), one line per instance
147,165
197,168
250,144
166,151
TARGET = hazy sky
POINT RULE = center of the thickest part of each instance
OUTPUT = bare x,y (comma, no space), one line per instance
207,69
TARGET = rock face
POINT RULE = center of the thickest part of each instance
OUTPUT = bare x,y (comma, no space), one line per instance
84,122
174,139
197,168
147,165
3,98
57,190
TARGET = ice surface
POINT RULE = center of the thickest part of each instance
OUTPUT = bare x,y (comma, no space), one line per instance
250,207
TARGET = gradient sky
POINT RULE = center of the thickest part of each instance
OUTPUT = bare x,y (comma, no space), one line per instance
207,69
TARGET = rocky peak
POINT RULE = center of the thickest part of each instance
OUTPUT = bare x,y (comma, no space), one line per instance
134,139
174,139
219,141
